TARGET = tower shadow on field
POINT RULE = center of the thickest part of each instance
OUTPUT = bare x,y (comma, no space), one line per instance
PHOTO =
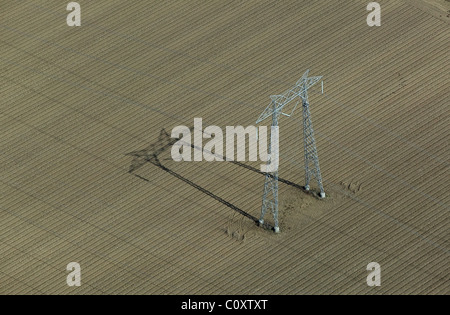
151,155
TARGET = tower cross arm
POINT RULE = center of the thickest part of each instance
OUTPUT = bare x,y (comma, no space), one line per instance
298,90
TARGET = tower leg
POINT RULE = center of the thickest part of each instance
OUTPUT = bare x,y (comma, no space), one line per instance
312,167
270,199
307,174
270,195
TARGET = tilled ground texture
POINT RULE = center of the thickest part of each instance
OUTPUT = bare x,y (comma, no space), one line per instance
83,108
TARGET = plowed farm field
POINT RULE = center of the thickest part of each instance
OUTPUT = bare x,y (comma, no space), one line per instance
86,173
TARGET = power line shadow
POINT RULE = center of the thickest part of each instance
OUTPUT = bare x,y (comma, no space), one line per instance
205,191
165,141
151,155
253,169
282,180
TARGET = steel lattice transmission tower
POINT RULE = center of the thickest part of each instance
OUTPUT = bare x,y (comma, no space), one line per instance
275,109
